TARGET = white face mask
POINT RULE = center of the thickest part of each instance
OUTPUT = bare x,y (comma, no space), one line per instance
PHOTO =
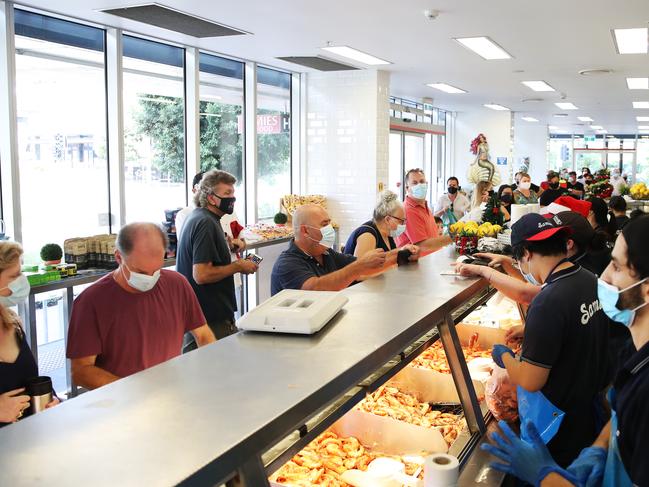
19,288
525,185
328,236
141,282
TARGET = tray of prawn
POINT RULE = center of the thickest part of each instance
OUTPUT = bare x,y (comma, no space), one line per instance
428,376
334,457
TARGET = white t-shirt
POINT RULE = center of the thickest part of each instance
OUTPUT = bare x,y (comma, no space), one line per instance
460,206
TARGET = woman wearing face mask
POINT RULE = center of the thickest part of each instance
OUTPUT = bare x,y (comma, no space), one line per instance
618,457
524,194
506,196
17,364
388,222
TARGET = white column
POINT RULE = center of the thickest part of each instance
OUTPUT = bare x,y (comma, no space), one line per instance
192,115
250,173
297,132
115,111
8,125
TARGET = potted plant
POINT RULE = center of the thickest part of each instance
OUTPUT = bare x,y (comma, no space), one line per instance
280,219
51,254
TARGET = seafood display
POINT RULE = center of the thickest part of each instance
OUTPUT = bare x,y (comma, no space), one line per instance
264,231
434,357
391,402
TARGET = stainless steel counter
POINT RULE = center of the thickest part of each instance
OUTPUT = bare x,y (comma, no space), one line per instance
199,417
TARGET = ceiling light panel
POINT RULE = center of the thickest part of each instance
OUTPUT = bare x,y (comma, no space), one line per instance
643,127
631,41
493,106
484,47
356,55
637,83
641,104
566,106
538,85
642,119
553,127
596,127
446,88
585,119
529,119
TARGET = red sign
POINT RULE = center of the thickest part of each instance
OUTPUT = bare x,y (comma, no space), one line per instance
269,124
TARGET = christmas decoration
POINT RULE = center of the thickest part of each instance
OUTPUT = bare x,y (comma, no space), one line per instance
493,213
601,186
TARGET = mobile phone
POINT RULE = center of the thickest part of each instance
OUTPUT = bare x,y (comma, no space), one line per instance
254,258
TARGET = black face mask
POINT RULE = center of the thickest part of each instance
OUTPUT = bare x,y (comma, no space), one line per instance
554,185
452,189
226,205
506,198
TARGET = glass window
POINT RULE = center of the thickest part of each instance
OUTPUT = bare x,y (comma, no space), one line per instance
61,105
560,154
154,129
273,140
221,120
395,163
643,159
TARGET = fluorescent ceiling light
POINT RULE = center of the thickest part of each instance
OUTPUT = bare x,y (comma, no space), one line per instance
638,83
446,88
642,119
484,47
566,106
596,127
538,85
602,131
585,119
529,119
553,127
641,104
493,106
355,55
643,127
631,41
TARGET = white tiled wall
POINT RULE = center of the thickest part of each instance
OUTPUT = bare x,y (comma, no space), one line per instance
347,135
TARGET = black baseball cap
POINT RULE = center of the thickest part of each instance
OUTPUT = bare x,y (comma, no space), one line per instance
533,227
581,231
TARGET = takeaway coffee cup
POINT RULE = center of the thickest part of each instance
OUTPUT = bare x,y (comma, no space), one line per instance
40,391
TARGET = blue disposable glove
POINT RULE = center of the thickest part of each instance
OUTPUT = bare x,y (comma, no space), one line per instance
498,352
589,466
529,462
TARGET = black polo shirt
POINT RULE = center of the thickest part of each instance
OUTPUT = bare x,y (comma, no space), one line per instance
567,332
632,407
294,267
203,241
549,195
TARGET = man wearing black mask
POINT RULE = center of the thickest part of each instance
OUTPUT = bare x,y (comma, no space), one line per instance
203,255
453,204
552,190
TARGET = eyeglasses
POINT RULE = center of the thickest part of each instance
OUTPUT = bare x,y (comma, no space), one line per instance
401,220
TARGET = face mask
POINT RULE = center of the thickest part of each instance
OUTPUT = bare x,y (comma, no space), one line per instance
328,236
19,291
525,185
419,191
142,282
554,185
227,204
609,295
397,231
452,190
529,277
506,198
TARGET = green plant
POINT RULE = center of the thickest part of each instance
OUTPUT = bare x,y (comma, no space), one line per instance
280,219
51,251
493,213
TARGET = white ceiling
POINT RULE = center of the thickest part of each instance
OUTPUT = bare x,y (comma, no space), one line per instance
550,41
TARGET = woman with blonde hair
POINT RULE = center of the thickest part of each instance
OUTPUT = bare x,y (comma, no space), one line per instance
480,194
524,194
17,364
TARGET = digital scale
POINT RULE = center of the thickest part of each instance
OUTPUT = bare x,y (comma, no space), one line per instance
294,311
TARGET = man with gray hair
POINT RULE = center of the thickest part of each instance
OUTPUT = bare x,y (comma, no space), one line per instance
203,255
136,316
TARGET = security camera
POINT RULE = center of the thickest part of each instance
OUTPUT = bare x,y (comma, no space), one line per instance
431,14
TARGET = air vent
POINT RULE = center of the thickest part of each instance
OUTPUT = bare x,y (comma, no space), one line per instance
531,100
595,72
560,115
168,18
317,62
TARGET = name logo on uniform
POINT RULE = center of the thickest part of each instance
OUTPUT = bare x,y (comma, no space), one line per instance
588,311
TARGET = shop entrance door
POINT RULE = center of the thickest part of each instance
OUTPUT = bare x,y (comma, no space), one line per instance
407,151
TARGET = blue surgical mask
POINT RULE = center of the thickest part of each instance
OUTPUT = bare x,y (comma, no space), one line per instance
419,191
609,295
328,236
397,231
529,277
19,291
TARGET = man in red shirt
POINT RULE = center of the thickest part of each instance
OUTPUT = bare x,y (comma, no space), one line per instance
421,228
135,317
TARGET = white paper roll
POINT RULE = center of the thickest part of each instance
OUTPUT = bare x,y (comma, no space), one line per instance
441,470
517,211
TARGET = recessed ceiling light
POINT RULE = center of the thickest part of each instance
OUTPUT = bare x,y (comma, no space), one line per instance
585,119
538,85
642,119
566,106
596,127
631,41
446,88
641,104
493,106
553,127
638,83
643,127
484,47
355,55
529,119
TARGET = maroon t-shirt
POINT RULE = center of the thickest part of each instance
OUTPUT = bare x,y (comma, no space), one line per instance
129,332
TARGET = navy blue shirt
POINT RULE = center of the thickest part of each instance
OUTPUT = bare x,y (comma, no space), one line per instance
294,267
203,241
371,228
567,332
632,407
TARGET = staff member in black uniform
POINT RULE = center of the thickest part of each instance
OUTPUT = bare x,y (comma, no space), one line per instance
564,358
618,458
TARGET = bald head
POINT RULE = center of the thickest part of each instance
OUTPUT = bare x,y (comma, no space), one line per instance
141,236
309,215
307,222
